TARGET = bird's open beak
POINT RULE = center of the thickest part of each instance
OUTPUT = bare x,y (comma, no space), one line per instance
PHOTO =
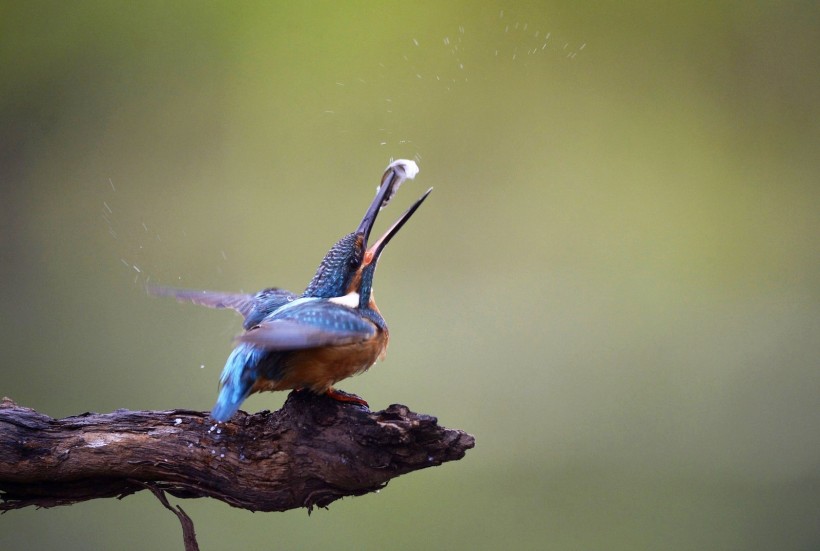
396,173
372,254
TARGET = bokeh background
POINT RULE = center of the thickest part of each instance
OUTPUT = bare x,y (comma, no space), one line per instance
615,285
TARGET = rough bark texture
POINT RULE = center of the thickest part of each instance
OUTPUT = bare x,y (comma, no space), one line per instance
312,452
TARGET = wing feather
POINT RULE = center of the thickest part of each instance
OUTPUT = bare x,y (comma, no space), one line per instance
252,307
310,325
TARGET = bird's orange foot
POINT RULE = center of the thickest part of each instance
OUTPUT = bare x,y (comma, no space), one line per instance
340,396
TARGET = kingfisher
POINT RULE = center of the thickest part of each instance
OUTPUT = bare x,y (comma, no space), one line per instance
330,332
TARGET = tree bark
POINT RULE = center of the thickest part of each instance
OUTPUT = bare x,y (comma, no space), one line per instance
310,453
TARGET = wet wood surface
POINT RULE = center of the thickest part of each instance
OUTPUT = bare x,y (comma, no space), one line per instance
310,453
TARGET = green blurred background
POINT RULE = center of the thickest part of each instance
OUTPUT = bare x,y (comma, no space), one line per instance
615,285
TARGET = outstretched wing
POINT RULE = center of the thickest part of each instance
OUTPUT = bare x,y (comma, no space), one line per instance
242,303
253,308
310,325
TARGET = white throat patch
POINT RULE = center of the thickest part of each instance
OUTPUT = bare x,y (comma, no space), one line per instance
351,300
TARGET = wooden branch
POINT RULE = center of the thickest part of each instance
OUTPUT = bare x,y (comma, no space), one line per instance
310,453
188,532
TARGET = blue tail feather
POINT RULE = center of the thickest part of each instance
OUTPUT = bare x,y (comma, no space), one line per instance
236,381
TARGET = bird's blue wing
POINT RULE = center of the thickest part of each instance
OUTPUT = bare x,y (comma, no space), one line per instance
254,308
310,325
240,302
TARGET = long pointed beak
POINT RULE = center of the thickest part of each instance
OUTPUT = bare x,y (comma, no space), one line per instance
396,173
372,254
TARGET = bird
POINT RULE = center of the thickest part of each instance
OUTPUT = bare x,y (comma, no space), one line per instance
330,332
